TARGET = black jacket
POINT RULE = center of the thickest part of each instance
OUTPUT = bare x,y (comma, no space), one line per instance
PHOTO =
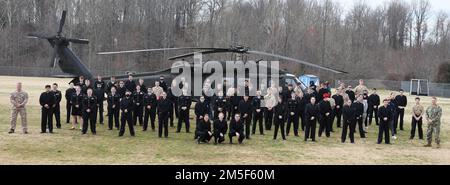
373,100
89,103
150,99
113,100
164,106
130,85
77,100
280,110
325,107
351,95
109,86
58,97
338,100
220,102
311,111
47,98
236,126
184,101
245,107
384,112
127,103
69,93
292,105
256,104
220,126
201,109
402,101
138,98
359,109
348,113
204,126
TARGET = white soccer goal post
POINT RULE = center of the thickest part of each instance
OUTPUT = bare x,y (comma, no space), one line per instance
419,87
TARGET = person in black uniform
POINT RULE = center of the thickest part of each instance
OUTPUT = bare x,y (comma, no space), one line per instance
162,83
351,94
358,107
204,130
302,102
373,102
111,83
143,87
99,92
138,100
292,116
349,122
339,101
322,91
245,109
236,129
311,115
279,116
56,107
164,106
150,101
287,93
220,129
184,106
68,95
130,85
172,98
113,108
234,101
121,90
77,102
127,106
89,107
385,116
220,104
325,116
257,113
200,110
47,100
402,102
87,85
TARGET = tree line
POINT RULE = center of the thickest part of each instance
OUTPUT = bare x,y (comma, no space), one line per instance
398,40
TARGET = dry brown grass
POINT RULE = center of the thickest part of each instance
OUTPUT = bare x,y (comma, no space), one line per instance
69,147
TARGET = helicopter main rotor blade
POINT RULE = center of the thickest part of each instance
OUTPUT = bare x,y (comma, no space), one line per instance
38,36
296,61
201,52
152,50
55,55
78,41
62,22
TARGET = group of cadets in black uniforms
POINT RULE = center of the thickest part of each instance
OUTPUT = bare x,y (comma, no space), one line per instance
131,103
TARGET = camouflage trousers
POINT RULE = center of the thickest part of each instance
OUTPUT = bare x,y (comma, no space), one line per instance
434,128
23,115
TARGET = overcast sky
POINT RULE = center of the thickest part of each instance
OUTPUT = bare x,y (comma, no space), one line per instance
437,5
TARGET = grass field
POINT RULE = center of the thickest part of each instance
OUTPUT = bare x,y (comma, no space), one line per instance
70,147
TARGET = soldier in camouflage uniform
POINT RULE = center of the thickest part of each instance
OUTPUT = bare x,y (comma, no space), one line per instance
433,113
18,100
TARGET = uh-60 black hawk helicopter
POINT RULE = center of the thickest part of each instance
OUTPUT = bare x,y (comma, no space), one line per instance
72,66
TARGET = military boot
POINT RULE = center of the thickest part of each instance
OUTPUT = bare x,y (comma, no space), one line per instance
428,145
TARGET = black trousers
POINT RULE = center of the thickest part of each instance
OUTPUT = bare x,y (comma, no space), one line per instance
233,111
183,117
338,115
258,118
69,111
348,125
240,139
416,123
361,131
137,115
302,121
268,119
401,115
279,125
248,123
395,123
46,120
170,115
127,118
383,130
203,137
113,117
372,113
149,114
89,120
292,119
219,139
310,130
175,107
325,125
57,113
100,112
163,124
